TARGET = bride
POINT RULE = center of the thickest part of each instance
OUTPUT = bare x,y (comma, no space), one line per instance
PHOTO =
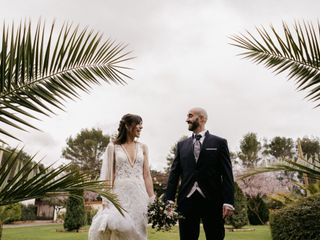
126,167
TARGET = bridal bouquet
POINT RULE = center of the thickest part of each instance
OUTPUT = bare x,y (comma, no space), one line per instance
162,215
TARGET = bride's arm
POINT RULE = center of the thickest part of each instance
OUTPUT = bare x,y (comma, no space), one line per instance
146,173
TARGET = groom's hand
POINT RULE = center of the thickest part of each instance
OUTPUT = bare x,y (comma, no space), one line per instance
227,211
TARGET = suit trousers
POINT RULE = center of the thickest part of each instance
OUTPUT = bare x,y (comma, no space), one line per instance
196,209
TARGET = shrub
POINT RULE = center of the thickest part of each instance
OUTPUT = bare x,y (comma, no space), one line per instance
258,212
10,213
240,217
75,214
28,212
299,220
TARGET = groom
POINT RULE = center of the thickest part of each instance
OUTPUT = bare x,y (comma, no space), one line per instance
206,191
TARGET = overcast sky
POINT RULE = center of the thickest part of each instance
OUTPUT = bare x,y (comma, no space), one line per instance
184,59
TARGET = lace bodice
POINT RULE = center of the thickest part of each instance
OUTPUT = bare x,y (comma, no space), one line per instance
124,169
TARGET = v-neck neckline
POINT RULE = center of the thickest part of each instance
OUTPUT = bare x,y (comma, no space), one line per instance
132,163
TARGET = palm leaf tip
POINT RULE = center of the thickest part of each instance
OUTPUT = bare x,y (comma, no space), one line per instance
295,50
41,68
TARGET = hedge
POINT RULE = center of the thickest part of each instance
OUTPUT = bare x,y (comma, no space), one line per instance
298,221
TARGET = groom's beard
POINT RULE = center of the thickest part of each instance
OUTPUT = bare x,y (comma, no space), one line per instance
194,125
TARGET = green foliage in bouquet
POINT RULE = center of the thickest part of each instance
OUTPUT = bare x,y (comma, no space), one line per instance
162,215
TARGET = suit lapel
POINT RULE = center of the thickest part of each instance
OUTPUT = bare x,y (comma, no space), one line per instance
190,146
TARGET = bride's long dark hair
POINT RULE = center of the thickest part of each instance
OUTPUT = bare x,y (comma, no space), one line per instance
126,121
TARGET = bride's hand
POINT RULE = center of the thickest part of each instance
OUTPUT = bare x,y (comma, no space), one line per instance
151,199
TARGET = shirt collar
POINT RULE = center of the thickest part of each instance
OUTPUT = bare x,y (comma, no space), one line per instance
203,133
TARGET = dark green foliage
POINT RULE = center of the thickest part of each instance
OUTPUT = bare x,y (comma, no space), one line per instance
258,212
240,217
280,147
10,213
250,147
85,151
75,214
310,147
299,221
28,212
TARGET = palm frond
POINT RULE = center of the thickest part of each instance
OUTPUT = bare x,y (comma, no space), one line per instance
310,170
25,180
295,50
285,198
41,68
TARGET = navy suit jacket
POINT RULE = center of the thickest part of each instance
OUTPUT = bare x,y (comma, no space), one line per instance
212,171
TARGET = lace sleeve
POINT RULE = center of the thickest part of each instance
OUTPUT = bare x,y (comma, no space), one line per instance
107,169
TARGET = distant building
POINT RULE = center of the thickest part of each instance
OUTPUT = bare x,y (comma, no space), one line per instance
45,210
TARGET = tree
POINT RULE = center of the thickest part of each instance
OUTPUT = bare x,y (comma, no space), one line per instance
75,214
260,188
280,147
38,72
250,147
86,149
264,184
310,147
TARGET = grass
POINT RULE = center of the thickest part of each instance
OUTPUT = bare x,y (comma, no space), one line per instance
49,232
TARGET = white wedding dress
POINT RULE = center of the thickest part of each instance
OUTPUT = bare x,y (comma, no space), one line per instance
129,186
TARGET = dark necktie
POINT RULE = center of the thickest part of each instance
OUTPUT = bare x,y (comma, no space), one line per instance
197,146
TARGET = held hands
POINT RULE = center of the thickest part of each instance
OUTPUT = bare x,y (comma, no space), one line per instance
227,211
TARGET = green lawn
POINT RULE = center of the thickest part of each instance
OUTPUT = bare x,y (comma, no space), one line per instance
50,233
